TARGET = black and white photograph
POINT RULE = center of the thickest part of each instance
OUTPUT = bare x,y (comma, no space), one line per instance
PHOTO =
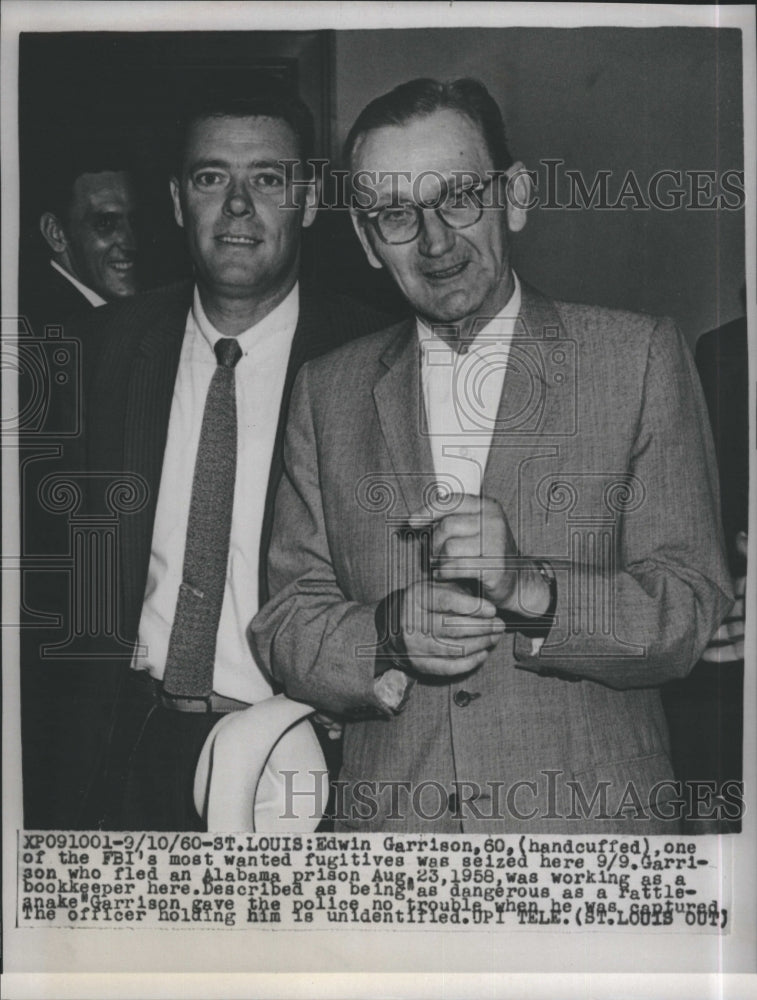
377,430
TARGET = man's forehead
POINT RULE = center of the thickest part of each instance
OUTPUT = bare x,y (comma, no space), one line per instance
102,189
227,135
444,141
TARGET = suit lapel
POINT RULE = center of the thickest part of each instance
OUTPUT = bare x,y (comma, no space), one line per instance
148,408
537,401
398,396
538,393
306,344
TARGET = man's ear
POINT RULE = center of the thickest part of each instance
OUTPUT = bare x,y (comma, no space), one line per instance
176,198
519,193
312,197
365,239
53,232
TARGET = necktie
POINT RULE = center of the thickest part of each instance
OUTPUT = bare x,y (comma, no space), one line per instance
192,646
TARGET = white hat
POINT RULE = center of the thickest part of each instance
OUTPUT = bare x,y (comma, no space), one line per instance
262,770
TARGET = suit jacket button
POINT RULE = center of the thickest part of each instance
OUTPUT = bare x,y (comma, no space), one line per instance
462,699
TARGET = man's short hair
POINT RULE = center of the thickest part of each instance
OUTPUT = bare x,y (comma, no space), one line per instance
90,153
422,97
267,98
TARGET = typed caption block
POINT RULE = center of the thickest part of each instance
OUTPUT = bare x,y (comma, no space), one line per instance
159,880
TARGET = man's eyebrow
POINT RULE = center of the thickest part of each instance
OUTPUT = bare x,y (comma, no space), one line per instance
387,195
394,200
280,164
454,180
251,165
204,163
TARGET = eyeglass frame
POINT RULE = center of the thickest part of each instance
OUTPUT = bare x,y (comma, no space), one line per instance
371,215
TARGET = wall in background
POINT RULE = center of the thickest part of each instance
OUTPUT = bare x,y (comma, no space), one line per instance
599,99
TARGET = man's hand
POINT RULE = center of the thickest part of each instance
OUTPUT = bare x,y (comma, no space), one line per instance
475,543
444,630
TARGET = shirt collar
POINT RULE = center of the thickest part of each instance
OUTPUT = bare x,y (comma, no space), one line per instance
268,332
92,297
500,327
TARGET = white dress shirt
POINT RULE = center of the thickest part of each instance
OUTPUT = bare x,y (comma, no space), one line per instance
92,297
462,393
259,376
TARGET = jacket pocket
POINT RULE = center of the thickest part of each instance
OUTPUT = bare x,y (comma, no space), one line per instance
638,795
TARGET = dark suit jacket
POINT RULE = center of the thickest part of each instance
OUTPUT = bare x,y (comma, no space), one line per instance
46,298
601,446
127,407
705,711
723,365
49,301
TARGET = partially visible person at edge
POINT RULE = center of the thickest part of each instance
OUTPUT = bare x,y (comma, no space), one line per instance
87,226
89,229
706,710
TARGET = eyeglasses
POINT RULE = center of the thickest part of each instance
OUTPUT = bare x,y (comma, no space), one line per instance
402,223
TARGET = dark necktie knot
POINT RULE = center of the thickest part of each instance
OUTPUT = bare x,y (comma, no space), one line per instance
227,351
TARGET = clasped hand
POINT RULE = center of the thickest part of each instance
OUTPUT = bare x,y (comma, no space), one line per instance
448,620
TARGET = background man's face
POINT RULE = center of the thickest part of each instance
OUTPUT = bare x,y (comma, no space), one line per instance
447,275
230,200
101,246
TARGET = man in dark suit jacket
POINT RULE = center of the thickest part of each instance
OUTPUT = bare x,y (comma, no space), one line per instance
52,299
87,223
89,229
706,710
134,744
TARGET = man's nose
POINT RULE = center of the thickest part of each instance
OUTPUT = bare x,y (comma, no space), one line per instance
238,201
434,239
126,234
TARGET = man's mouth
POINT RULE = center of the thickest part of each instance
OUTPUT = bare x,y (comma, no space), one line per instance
445,273
238,241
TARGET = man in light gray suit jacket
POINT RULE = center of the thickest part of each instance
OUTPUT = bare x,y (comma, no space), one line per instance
497,531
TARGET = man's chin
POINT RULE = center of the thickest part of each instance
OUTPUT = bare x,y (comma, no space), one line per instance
118,285
120,291
454,308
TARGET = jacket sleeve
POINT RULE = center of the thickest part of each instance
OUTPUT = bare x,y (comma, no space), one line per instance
670,588
310,638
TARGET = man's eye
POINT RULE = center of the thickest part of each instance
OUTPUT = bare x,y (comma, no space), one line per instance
105,224
398,215
269,181
209,179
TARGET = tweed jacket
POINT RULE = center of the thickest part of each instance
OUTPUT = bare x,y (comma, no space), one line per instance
602,460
